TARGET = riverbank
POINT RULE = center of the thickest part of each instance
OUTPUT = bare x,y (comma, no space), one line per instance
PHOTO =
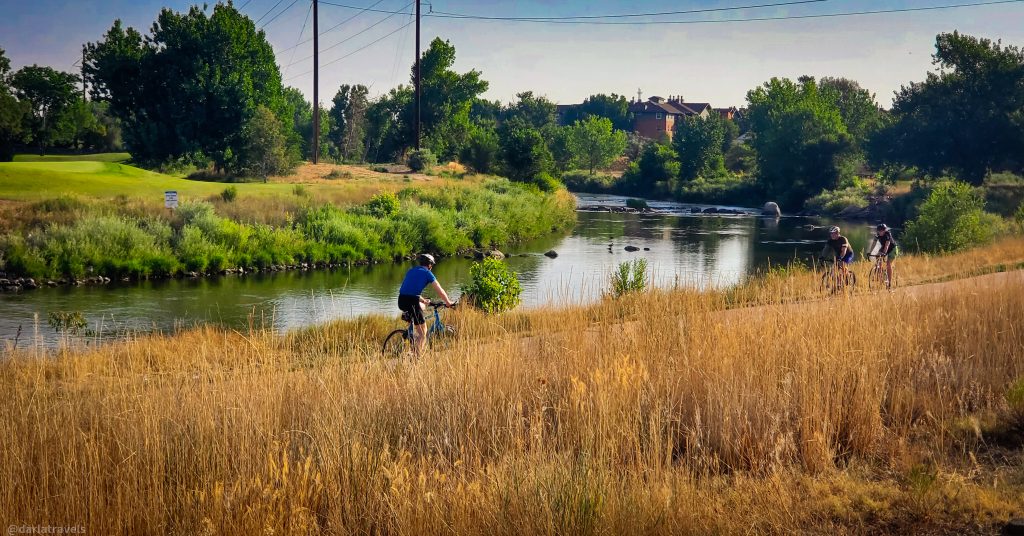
344,218
688,421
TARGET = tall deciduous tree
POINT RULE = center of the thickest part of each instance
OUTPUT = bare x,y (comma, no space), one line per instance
524,151
801,141
857,106
614,107
48,92
534,110
77,125
348,120
447,97
594,143
190,86
263,148
698,144
966,119
12,113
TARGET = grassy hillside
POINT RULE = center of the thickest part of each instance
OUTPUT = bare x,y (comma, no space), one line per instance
662,413
98,157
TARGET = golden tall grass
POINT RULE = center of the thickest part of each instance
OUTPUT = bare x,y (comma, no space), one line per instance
666,412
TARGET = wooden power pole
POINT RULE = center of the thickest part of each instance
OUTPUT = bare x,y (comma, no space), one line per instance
418,75
316,85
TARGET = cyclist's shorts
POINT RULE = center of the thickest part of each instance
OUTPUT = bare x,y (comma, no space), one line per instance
893,253
411,305
848,259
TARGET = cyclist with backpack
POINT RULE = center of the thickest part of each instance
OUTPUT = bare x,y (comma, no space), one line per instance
887,247
411,300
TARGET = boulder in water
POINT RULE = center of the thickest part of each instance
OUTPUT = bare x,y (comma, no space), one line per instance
551,254
771,208
632,248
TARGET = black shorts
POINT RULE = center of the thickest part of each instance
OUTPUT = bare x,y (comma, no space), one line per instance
411,304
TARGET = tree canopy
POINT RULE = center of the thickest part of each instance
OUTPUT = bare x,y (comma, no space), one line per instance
47,93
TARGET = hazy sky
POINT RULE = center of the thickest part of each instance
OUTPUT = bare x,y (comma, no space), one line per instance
714,63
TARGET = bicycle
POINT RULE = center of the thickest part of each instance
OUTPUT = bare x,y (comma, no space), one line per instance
878,277
832,281
399,341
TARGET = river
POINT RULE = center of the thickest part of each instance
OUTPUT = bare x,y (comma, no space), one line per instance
681,249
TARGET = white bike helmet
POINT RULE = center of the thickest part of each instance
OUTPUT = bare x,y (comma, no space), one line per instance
833,229
426,259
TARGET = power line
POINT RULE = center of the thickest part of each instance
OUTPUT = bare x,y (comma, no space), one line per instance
241,7
336,26
302,31
360,49
282,12
628,15
269,11
360,32
704,21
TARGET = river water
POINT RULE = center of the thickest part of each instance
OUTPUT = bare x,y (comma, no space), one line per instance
682,249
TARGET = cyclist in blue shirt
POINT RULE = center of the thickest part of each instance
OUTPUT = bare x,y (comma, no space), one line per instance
411,301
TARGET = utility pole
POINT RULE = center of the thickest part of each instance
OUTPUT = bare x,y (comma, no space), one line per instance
84,97
418,75
316,84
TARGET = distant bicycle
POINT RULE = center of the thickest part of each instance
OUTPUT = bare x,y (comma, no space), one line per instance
833,281
877,276
399,341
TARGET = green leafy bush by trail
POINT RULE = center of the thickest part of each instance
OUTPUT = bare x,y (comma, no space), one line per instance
952,219
383,205
422,160
629,277
493,287
229,194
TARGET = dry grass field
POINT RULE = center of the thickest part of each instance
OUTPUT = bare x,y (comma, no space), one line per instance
760,409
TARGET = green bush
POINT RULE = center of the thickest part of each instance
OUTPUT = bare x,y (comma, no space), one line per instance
546,182
383,205
726,189
631,276
1019,215
952,219
229,194
422,160
583,181
638,204
836,201
493,287
300,190
68,322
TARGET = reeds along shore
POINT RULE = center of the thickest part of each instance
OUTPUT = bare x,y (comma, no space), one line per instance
667,412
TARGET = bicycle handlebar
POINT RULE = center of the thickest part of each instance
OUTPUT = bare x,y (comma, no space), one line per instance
440,304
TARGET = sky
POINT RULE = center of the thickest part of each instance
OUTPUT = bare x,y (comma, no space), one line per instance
708,62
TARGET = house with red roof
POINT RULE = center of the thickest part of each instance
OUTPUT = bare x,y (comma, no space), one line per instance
656,117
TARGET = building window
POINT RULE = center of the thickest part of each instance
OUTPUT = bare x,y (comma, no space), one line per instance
657,115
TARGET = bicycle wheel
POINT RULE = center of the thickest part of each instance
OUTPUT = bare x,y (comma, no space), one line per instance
396,344
443,338
876,279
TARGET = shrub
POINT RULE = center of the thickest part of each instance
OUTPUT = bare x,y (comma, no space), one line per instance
68,322
229,194
630,277
727,189
836,201
482,150
582,181
638,204
300,190
1019,216
422,160
952,219
383,205
338,174
493,287
546,182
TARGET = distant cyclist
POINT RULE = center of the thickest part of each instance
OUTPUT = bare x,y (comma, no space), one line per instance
411,301
840,247
887,247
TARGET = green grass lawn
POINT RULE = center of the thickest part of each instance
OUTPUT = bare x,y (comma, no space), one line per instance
29,181
98,157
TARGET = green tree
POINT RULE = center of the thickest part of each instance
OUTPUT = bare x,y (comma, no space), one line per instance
446,100
300,138
698,144
652,175
12,113
857,106
48,93
614,107
801,141
534,110
524,151
348,120
190,86
594,143
951,219
78,125
966,119
482,150
263,151
388,134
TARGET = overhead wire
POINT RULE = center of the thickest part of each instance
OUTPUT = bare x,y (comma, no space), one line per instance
569,20
282,12
360,32
269,11
360,49
335,27
302,31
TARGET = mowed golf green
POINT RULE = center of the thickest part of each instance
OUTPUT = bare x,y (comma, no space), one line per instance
98,157
31,181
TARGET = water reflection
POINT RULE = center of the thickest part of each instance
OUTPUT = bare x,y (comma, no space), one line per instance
681,249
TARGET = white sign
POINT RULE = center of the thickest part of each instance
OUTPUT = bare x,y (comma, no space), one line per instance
171,199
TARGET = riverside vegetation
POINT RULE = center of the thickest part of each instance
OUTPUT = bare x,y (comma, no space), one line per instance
72,237
748,409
